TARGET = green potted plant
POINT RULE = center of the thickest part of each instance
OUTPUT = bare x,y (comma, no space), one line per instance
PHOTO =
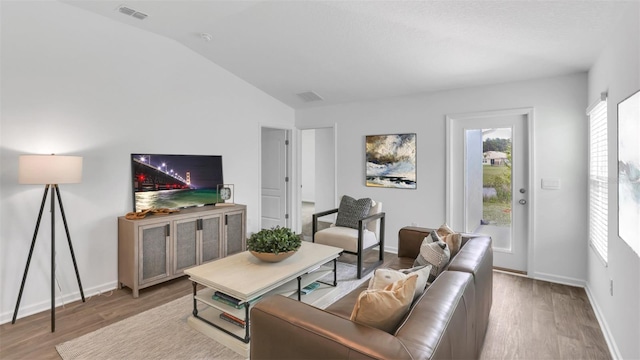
275,244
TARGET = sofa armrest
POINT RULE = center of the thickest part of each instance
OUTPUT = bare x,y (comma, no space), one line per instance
441,325
476,258
409,240
282,328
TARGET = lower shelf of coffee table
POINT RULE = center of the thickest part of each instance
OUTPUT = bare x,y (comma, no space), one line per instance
289,289
212,315
209,310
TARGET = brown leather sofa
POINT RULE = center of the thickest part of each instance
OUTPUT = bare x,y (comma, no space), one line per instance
448,321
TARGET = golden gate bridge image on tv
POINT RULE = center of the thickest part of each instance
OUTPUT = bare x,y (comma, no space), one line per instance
150,178
193,183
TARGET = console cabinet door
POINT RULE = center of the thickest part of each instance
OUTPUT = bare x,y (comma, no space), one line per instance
185,244
153,252
235,232
160,248
211,238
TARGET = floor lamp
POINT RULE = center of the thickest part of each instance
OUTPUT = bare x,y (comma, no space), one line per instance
49,170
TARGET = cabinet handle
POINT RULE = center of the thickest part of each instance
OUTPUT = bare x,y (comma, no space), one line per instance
167,230
199,224
226,219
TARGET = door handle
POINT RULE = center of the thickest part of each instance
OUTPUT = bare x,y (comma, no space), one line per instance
522,201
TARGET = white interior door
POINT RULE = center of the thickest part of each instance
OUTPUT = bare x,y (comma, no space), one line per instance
489,184
274,178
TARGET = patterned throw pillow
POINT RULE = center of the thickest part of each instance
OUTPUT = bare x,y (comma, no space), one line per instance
352,210
453,239
434,252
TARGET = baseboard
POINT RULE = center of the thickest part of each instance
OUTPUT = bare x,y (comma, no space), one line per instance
61,300
391,250
608,337
559,279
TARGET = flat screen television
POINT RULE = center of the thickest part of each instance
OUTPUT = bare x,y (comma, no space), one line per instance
175,181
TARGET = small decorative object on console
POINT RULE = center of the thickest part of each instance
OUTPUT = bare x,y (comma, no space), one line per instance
225,194
275,244
143,214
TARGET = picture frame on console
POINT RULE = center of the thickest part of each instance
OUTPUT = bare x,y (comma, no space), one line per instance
225,195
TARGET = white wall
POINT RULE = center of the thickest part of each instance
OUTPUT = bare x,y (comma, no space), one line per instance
617,71
308,165
78,83
560,244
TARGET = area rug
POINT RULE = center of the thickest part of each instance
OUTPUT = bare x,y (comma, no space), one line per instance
163,332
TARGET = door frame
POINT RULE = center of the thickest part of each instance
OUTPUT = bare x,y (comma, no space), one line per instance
450,209
289,165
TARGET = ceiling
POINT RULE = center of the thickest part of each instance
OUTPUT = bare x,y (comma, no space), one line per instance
348,51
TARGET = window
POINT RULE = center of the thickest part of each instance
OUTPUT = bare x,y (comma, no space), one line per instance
598,177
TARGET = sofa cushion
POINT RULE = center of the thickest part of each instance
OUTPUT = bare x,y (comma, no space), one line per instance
383,277
343,307
384,309
352,210
434,252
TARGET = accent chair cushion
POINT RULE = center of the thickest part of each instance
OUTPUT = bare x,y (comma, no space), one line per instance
434,252
345,238
383,277
352,210
385,308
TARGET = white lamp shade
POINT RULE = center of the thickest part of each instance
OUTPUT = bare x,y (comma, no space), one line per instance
49,169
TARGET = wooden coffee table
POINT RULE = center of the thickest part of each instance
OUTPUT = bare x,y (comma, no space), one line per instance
247,279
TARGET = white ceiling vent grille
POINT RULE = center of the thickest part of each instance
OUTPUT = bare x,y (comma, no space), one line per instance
310,96
131,12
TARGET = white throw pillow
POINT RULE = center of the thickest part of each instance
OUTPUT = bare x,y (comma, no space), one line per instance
383,277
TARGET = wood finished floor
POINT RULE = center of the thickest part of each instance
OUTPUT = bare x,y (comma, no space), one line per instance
530,319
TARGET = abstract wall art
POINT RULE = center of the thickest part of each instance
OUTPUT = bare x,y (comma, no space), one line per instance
629,171
391,161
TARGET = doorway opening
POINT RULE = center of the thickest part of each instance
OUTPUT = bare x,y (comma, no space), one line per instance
317,176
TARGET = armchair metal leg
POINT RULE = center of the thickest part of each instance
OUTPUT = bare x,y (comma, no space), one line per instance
360,240
381,254
314,227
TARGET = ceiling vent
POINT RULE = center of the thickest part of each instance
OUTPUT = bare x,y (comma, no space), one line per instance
310,96
131,12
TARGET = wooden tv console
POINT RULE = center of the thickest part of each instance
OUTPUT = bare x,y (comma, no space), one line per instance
160,247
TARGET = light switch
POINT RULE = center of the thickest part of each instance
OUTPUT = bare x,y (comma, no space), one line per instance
551,184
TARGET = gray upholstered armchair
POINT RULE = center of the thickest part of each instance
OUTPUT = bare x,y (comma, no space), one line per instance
359,227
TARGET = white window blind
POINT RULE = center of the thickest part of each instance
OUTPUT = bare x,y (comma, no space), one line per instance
598,178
